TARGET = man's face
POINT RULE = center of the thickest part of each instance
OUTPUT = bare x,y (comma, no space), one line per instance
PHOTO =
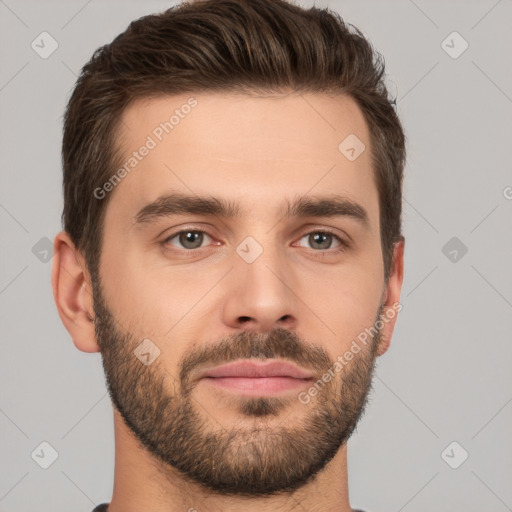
261,286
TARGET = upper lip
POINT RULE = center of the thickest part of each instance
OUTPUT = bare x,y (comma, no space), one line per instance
246,368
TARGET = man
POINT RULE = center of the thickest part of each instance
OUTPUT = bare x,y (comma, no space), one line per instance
232,246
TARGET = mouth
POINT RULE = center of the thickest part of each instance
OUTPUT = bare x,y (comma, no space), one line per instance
250,378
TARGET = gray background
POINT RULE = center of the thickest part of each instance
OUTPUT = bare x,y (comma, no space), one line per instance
447,374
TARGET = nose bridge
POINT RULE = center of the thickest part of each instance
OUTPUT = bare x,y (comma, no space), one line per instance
261,294
265,270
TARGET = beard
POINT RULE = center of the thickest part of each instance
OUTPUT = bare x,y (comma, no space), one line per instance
263,459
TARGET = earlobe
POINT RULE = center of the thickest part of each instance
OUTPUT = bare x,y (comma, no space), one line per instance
72,293
391,303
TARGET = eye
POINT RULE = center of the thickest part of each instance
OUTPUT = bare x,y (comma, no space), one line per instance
322,240
189,239
192,239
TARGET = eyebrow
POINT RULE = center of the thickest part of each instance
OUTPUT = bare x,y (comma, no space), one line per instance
302,206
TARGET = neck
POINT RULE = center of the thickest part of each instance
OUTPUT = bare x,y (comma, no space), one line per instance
143,483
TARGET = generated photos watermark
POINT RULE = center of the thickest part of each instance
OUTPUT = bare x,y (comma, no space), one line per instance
343,359
152,140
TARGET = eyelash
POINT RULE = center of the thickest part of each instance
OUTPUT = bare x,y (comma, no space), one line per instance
343,245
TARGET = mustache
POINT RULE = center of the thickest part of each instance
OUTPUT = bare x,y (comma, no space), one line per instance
278,344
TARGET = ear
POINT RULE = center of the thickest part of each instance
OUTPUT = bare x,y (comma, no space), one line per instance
72,292
391,303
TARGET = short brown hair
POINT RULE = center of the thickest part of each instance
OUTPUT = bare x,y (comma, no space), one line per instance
244,46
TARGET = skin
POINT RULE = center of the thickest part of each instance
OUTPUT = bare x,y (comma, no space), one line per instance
257,151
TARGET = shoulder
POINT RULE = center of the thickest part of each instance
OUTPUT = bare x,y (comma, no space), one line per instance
104,508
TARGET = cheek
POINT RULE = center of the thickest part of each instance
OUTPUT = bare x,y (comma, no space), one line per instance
153,296
349,303
349,312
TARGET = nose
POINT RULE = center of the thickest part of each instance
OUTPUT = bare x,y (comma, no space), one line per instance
263,294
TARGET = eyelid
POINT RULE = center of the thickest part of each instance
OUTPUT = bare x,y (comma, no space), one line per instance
186,229
343,242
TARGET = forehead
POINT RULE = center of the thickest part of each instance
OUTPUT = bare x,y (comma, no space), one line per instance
256,148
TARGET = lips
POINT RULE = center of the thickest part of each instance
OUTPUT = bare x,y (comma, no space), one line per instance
250,378
250,369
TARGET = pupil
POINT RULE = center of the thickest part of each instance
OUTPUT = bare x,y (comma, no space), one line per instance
319,236
191,237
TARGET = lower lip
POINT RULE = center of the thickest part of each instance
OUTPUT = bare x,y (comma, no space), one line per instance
257,385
